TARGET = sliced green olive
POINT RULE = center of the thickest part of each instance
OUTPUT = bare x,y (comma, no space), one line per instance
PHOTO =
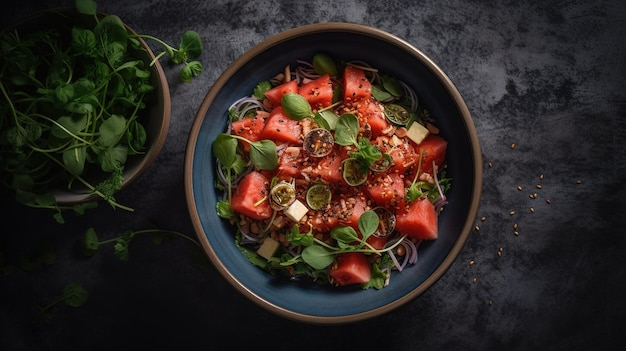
382,164
318,196
318,142
386,222
282,195
397,114
351,173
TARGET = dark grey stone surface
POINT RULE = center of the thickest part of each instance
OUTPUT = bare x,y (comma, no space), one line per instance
548,76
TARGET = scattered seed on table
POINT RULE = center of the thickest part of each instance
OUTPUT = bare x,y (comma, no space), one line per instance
512,213
532,210
539,186
516,232
490,302
474,280
541,177
471,262
490,164
477,228
519,187
533,195
513,146
548,201
514,225
483,218
579,181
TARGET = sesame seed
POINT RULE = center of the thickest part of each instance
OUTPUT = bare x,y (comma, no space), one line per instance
490,164
519,187
490,302
471,262
516,232
477,228
513,146
579,181
512,213
514,225
532,210
539,186
541,177
483,218
474,280
548,201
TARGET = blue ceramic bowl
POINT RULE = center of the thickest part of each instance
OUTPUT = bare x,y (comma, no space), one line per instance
311,303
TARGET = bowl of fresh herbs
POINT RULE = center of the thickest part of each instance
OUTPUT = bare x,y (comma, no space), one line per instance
85,106
333,173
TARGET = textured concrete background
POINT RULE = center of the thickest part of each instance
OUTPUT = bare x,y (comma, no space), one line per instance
548,76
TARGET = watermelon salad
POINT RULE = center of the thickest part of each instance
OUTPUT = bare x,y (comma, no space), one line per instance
331,171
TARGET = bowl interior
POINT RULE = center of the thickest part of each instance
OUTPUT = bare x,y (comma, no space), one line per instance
304,301
155,118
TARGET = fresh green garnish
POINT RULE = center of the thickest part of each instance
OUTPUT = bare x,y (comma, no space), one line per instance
346,133
324,64
73,108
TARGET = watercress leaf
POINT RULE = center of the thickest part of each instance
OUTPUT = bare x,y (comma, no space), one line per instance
74,295
111,29
33,131
90,242
190,70
344,234
346,130
83,41
318,256
79,107
45,199
136,137
68,125
121,249
328,117
113,158
392,85
368,223
191,44
16,137
86,7
22,181
324,64
225,149
296,106
380,94
263,154
111,130
64,93
74,159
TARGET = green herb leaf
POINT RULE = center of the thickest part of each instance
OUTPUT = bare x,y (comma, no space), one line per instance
74,295
318,256
296,106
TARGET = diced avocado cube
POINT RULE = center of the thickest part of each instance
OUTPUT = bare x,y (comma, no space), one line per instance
268,248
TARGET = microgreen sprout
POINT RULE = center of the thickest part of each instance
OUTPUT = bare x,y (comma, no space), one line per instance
121,243
74,295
